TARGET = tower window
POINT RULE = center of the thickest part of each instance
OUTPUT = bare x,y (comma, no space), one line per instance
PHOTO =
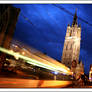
69,55
66,47
68,63
71,46
70,34
65,54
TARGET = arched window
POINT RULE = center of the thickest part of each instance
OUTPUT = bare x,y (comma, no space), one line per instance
66,47
70,34
71,46
65,55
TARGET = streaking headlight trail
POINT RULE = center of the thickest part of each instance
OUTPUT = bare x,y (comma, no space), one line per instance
33,61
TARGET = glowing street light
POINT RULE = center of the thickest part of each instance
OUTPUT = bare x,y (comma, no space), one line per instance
55,72
55,77
23,53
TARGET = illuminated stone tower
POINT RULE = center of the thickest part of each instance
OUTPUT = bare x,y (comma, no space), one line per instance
71,48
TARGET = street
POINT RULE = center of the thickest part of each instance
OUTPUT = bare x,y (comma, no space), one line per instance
29,83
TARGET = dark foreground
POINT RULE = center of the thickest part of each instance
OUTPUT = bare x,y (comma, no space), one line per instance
12,80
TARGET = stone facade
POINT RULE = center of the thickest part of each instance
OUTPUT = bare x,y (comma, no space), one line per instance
71,49
8,19
78,70
90,73
72,43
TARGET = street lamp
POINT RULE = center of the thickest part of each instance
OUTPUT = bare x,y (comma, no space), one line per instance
55,77
23,53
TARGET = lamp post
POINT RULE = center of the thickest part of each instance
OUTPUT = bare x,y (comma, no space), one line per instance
55,77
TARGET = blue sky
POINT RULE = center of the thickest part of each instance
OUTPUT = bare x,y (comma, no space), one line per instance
45,25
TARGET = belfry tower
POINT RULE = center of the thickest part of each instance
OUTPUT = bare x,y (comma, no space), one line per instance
71,47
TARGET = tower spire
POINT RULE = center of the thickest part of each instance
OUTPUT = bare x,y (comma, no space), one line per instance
75,18
71,47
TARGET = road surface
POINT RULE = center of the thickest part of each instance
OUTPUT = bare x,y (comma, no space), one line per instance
29,83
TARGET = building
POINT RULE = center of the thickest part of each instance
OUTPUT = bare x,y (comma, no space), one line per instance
78,70
72,43
90,73
8,19
71,49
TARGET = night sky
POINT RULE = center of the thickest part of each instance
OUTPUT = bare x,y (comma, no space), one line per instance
43,26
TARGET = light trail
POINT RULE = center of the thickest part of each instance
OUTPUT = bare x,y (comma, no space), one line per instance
35,62
30,83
